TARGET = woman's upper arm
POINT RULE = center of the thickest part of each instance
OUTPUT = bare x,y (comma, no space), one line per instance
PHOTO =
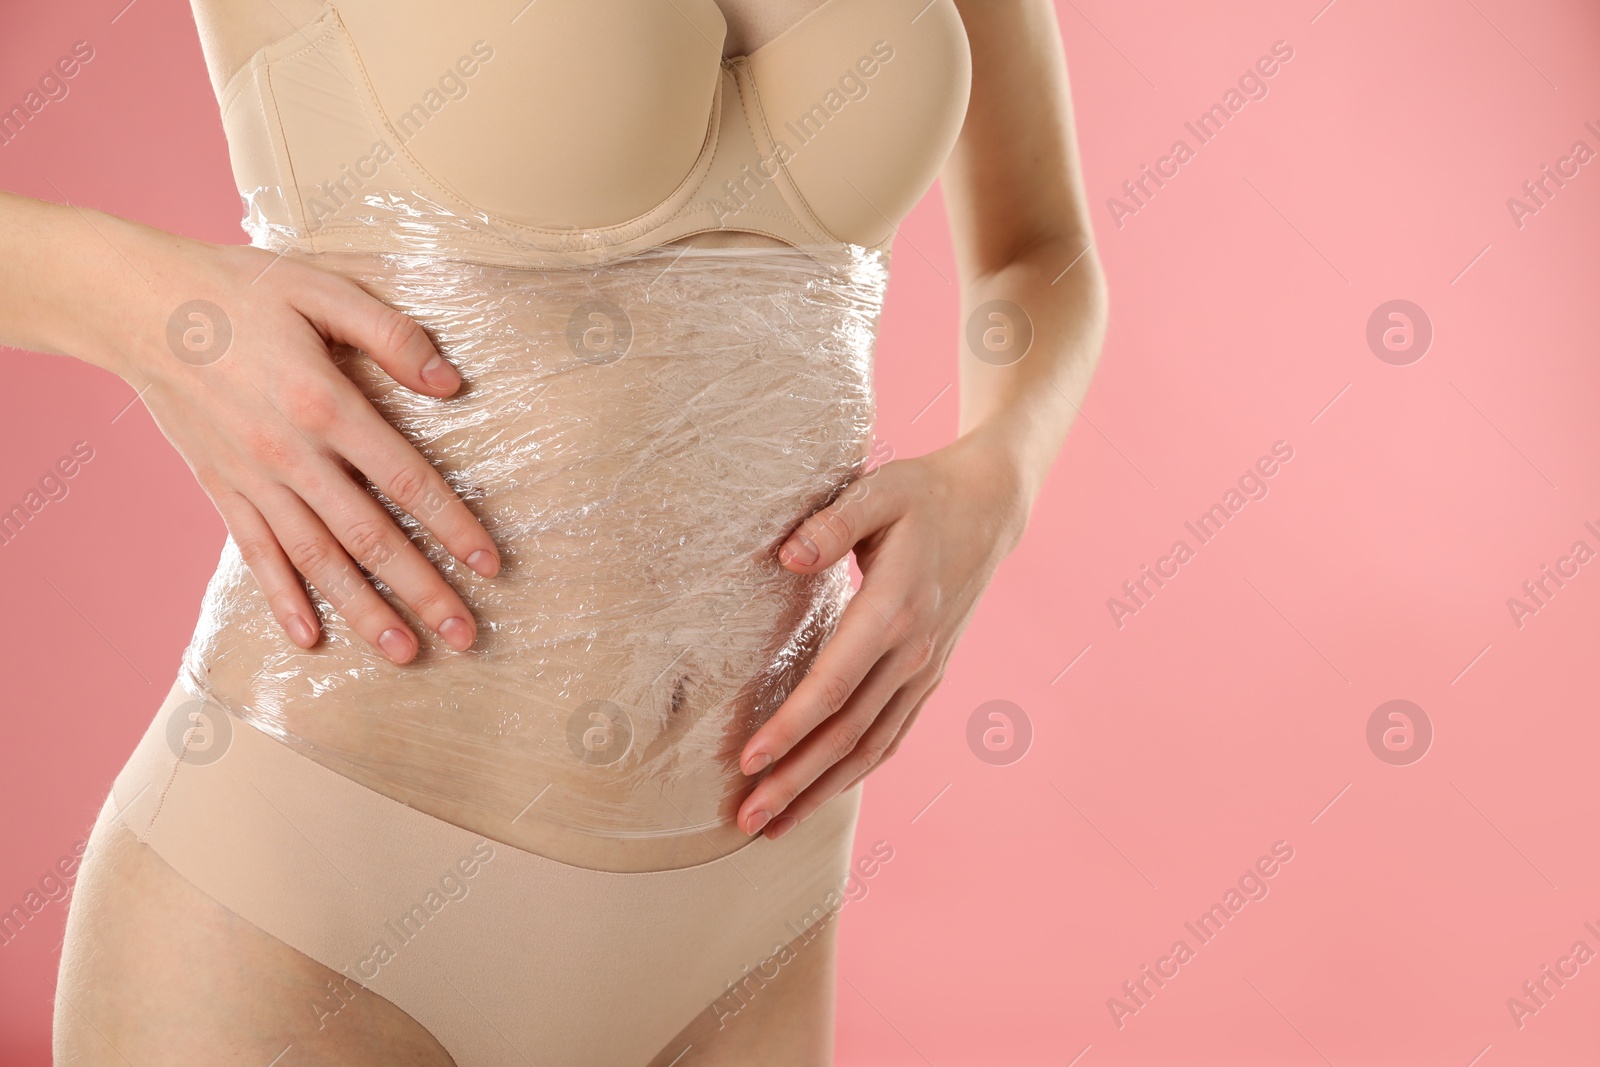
1013,181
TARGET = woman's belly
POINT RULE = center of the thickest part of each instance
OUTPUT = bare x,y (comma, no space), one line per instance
638,438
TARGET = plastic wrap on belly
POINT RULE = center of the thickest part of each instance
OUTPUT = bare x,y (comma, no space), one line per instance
638,436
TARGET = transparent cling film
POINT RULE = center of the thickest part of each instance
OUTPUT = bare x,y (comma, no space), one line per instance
639,436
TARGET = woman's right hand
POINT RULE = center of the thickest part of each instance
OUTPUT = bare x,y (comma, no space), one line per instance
278,437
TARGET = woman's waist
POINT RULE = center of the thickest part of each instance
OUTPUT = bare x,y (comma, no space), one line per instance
588,714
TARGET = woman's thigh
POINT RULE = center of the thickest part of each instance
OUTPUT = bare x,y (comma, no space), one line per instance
785,1020
154,972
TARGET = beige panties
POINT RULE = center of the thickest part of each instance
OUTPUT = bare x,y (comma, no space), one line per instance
505,956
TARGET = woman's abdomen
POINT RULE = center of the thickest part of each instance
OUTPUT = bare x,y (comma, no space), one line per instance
639,438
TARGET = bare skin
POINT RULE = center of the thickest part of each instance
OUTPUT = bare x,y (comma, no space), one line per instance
154,972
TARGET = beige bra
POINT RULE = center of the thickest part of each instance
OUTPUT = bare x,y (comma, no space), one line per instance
584,130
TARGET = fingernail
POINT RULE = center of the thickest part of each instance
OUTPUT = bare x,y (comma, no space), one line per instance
439,374
754,824
396,644
783,826
757,763
800,550
484,563
300,632
456,633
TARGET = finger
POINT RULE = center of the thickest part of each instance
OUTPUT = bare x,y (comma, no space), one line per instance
317,555
859,641
400,473
903,732
273,572
827,745
869,752
369,534
828,535
343,311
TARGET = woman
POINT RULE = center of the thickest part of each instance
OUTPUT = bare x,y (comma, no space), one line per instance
528,704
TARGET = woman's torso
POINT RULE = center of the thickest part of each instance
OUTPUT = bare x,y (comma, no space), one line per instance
640,426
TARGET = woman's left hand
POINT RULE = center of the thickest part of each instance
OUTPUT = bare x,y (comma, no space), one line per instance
928,534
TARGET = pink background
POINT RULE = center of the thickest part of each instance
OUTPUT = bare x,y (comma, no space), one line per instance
1229,713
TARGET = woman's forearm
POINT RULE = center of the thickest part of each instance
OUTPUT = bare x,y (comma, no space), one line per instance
1033,297
66,275
1030,342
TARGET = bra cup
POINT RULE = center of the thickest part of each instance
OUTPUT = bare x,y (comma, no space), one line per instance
829,133
867,105
549,129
